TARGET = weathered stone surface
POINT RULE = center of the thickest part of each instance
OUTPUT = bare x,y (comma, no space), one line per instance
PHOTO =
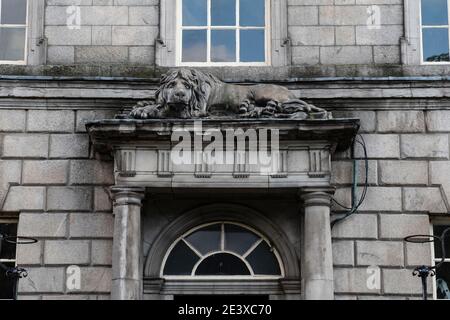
386,35
66,252
386,54
367,118
352,280
401,121
342,172
84,116
148,16
61,54
379,253
303,16
91,172
94,279
392,199
25,146
101,54
48,225
69,146
69,198
418,254
425,145
102,201
346,55
424,199
398,281
398,226
362,226
134,35
438,121
101,252
141,55
12,120
440,175
380,146
45,172
312,36
343,253
51,120
30,254
345,35
403,172
86,225
43,280
24,198
10,173
305,55
62,36
101,35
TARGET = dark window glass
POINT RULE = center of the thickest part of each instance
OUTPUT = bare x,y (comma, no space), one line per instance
252,13
435,45
238,239
223,45
206,239
14,12
263,260
252,46
194,13
194,45
443,281
181,260
222,264
437,231
434,12
8,250
12,44
223,12
6,283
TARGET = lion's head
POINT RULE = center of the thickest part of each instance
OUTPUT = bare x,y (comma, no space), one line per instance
185,92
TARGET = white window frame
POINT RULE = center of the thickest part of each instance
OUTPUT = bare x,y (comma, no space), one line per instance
208,28
204,256
437,222
411,43
278,43
35,42
24,61
447,26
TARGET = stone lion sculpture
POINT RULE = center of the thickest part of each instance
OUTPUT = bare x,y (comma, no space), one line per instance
189,93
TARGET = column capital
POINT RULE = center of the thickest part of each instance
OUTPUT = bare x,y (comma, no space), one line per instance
127,195
317,196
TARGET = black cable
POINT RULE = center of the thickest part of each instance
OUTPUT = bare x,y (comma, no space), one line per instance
366,182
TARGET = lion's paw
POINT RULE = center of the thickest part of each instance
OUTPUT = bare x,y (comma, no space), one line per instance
145,112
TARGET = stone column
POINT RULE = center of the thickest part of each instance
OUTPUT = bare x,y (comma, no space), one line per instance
317,265
126,254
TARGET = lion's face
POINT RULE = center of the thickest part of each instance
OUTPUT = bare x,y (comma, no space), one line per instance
178,94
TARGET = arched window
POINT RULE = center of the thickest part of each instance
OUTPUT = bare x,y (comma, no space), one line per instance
222,249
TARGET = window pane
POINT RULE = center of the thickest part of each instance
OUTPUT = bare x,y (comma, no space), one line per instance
222,264
6,283
223,12
12,42
238,239
263,260
206,239
8,250
181,260
435,45
434,12
223,45
194,46
437,231
14,12
194,13
443,281
252,13
252,46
